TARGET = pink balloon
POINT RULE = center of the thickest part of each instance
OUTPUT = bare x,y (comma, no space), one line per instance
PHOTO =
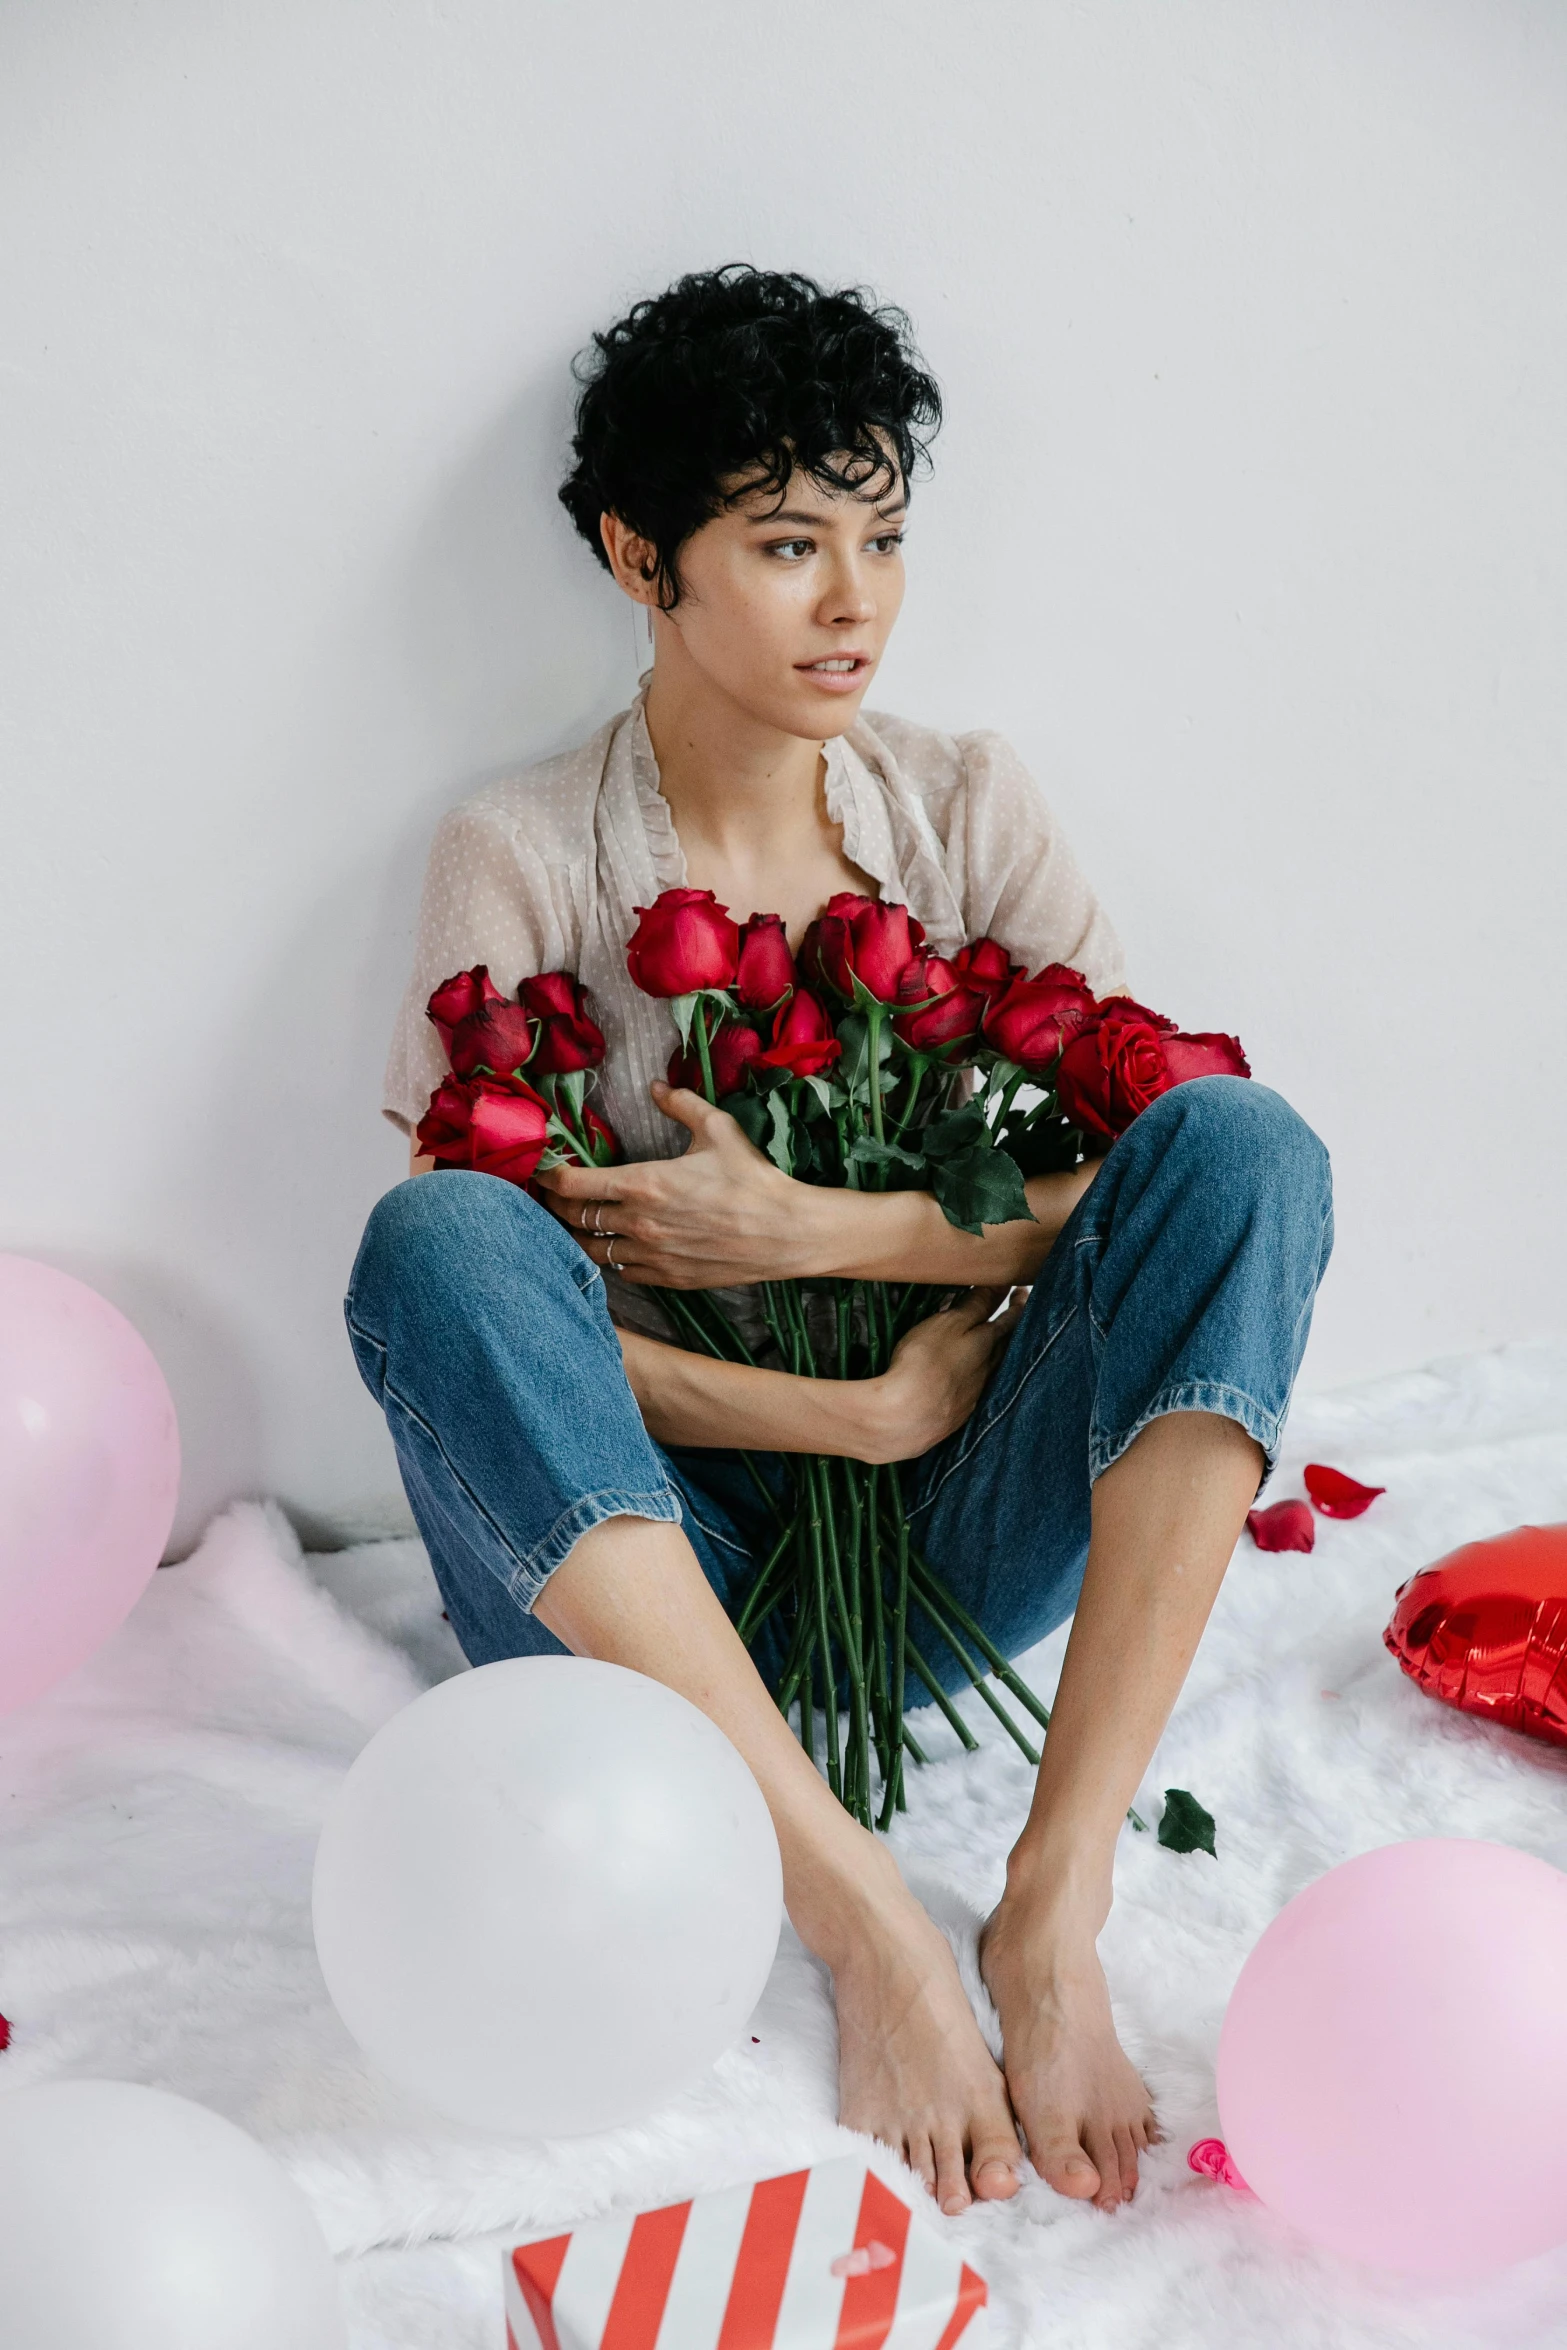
89,1474
1393,2064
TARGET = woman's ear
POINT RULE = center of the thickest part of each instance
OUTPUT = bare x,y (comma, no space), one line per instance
632,559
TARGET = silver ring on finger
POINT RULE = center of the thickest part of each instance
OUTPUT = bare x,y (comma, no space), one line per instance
614,1236
598,1216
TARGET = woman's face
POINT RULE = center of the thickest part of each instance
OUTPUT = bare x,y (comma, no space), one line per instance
785,608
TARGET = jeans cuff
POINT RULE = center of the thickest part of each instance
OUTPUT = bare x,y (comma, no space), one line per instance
1192,1395
534,1569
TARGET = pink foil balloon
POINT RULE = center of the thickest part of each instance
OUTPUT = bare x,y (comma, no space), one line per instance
1393,2065
89,1474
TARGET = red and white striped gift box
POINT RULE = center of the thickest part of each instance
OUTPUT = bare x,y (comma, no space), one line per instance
824,2259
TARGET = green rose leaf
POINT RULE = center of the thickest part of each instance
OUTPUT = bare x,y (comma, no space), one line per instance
854,1069
750,1113
684,1009
777,1145
866,1151
979,1187
1184,1826
955,1132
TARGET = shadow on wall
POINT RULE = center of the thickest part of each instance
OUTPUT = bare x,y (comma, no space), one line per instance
495,641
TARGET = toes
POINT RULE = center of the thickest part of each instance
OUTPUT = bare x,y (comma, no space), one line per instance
1062,2164
993,2168
1107,2162
921,2159
951,2177
1126,2152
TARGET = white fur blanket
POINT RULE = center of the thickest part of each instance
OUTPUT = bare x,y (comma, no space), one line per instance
158,1816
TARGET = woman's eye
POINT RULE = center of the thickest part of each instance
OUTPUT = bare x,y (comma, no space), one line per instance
889,542
790,549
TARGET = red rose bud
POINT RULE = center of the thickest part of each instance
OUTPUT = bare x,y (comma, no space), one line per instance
864,939
766,967
460,996
1336,1495
1110,1071
802,1040
442,1133
982,964
1129,1007
499,1037
731,1050
509,1130
1204,1056
684,940
5,2033
1287,1526
954,1017
494,1127
568,1038
1030,1022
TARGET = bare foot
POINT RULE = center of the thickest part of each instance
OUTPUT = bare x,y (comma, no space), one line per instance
913,2068
1084,2111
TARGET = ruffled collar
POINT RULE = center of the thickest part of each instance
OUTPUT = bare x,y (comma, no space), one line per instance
855,799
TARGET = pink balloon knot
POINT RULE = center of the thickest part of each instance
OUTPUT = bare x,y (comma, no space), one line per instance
1210,2159
863,2259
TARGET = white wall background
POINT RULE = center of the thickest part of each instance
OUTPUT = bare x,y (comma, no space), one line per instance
1249,525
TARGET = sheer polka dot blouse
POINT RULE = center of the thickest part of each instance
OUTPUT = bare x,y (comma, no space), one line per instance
542,872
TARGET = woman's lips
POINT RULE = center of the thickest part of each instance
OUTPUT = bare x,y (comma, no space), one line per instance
836,673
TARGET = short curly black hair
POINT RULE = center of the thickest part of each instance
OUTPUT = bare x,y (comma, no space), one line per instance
738,376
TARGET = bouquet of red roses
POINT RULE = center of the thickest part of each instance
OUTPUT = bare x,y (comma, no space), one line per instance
875,1064
871,1063
514,1101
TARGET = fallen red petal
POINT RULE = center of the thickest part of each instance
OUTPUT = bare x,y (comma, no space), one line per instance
1287,1526
1336,1495
5,2033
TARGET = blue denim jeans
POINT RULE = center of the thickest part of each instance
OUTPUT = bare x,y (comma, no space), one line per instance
1183,1281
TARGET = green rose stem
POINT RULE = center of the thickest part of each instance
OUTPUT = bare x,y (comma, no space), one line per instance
970,1742
703,1054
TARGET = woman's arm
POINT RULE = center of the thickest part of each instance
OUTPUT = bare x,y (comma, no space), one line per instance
932,1384
723,1213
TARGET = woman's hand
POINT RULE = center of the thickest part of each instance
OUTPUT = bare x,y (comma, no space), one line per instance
720,1213
930,1387
939,1369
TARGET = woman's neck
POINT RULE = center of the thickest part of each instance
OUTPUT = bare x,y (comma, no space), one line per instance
738,789
749,802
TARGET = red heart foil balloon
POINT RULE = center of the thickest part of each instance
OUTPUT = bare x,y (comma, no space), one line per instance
1485,1629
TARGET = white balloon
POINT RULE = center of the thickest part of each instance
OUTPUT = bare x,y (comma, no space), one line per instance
547,1895
131,2219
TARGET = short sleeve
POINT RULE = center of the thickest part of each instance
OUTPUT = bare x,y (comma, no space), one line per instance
489,897
1022,886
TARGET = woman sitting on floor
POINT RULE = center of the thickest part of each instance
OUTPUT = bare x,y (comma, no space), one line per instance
744,450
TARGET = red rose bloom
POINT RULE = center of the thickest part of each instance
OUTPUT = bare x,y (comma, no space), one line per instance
489,1125
1111,1070
731,1050
684,940
499,1037
766,967
568,1038
456,998
802,1040
955,1016
864,939
442,1133
1205,1055
984,965
1029,1023
1132,1008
